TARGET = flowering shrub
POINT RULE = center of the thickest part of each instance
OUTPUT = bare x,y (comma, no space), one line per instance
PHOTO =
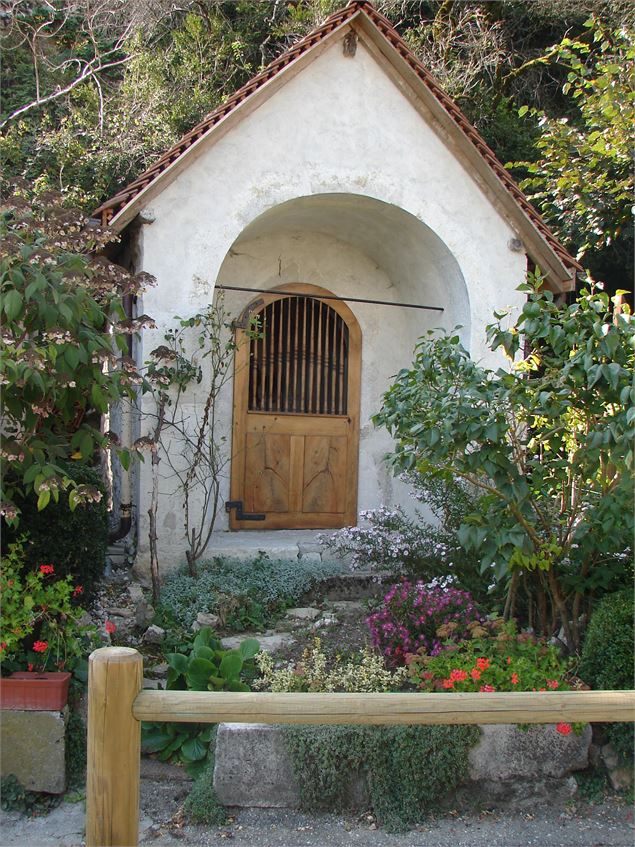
419,616
39,626
496,658
315,673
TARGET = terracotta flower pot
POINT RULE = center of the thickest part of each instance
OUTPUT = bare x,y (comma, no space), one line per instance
31,691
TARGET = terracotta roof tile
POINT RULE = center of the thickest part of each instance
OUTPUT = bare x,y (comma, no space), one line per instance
117,203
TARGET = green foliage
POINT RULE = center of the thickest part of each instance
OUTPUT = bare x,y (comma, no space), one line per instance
582,179
75,541
607,658
496,658
547,445
39,624
15,798
62,315
76,747
226,586
409,769
210,668
204,667
201,805
316,672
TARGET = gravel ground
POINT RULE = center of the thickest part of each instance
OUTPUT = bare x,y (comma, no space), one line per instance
607,824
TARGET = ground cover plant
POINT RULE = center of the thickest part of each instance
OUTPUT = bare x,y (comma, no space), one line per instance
245,594
547,445
327,759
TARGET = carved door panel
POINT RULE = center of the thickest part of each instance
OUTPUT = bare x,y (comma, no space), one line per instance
296,414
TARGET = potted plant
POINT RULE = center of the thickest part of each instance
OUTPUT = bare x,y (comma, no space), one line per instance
41,635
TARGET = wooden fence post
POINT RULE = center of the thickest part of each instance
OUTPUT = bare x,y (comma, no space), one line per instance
115,677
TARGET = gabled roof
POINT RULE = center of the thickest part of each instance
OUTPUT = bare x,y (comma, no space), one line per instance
539,242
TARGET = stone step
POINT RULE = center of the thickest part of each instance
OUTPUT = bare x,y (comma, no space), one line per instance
277,544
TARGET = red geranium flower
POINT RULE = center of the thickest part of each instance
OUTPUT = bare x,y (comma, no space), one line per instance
552,683
110,627
514,679
41,646
482,664
29,666
458,675
475,674
563,728
46,569
487,688
79,589
448,683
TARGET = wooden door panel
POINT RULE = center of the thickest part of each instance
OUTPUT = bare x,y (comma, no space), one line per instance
296,413
324,474
267,472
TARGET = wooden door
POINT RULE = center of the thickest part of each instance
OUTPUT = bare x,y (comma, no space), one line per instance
296,413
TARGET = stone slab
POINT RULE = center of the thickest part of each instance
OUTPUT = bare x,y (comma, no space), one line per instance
304,613
507,767
268,643
252,767
33,748
539,752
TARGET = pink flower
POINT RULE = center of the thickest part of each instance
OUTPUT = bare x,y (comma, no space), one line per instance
552,683
110,627
487,688
47,569
41,646
563,728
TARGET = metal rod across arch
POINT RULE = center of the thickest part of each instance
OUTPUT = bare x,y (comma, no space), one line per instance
329,297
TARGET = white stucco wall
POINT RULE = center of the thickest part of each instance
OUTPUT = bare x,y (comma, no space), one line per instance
336,180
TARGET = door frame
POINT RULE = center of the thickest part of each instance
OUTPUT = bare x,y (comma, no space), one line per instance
241,401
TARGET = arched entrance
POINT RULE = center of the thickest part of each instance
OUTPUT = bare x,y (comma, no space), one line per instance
296,413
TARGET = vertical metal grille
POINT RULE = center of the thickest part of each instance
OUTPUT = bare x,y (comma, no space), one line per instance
299,365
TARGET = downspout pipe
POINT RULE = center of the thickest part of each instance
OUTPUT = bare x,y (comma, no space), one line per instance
125,506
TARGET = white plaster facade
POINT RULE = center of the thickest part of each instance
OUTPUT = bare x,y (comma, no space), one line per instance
339,181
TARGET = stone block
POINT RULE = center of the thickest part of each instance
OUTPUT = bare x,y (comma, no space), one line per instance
252,767
507,752
305,613
33,748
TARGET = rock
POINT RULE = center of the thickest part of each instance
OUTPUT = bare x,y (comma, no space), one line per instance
135,590
268,643
153,635
306,613
307,547
121,612
311,558
33,748
144,613
619,776
506,752
160,670
347,605
327,620
151,683
253,767
205,619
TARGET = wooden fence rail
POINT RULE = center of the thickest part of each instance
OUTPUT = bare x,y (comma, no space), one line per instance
117,705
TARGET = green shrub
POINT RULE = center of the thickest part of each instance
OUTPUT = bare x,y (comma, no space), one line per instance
409,769
74,542
248,593
607,658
